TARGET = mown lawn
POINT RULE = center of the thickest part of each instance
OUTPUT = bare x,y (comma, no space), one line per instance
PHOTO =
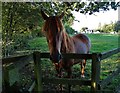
103,42
100,43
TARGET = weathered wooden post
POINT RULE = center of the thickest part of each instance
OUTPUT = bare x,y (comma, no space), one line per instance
95,72
6,77
38,72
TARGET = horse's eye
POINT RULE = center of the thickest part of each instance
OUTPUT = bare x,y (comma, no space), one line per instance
49,41
60,29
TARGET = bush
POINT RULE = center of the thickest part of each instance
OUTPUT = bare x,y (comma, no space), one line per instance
69,30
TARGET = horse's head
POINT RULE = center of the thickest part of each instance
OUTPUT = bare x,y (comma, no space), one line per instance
53,28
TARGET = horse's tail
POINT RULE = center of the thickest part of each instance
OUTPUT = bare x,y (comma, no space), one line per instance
89,45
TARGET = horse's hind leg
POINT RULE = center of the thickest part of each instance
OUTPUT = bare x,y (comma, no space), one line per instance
69,75
83,63
69,72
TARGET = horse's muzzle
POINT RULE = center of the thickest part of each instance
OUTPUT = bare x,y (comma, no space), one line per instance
56,57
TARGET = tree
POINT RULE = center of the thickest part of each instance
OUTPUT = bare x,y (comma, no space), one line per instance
18,22
84,29
91,7
21,20
69,30
107,28
117,26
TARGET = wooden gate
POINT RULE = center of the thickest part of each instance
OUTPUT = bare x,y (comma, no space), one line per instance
95,83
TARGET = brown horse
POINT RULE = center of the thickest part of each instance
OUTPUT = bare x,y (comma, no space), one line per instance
59,42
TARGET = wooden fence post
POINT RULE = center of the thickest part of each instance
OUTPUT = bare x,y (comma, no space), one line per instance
38,73
95,73
6,78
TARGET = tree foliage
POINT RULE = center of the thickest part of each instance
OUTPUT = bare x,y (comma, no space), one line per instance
22,20
117,26
91,7
70,30
18,19
108,28
83,29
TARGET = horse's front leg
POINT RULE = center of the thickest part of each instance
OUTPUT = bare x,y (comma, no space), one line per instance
58,69
59,74
69,72
69,75
83,63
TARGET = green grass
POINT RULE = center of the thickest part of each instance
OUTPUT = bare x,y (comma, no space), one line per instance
103,42
100,43
38,44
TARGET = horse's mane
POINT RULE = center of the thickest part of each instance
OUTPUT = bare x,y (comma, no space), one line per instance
53,21
60,42
67,42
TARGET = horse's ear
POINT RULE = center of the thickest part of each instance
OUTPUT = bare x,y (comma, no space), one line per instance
61,16
45,16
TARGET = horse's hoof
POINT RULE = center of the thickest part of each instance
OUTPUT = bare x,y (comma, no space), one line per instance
82,76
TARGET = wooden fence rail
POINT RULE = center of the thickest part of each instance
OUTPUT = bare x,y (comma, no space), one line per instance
66,81
9,64
105,55
106,81
95,70
68,55
94,77
14,59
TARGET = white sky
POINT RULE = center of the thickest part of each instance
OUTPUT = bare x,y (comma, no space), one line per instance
92,21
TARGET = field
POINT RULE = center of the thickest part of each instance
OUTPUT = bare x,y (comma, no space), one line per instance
100,43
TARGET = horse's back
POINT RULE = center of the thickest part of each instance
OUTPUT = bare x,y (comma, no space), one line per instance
82,43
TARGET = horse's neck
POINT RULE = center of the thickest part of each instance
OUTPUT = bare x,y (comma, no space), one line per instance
66,43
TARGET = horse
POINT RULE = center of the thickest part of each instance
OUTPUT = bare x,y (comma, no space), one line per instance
60,42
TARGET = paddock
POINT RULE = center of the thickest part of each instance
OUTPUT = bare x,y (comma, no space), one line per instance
37,81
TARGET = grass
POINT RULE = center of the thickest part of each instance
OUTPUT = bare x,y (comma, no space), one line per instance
38,44
103,42
100,43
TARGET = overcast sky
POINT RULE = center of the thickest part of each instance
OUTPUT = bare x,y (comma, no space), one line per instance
92,21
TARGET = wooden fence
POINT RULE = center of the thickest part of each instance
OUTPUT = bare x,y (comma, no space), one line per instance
95,83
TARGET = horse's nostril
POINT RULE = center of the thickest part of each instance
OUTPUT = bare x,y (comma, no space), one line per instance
56,57
60,57
51,57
